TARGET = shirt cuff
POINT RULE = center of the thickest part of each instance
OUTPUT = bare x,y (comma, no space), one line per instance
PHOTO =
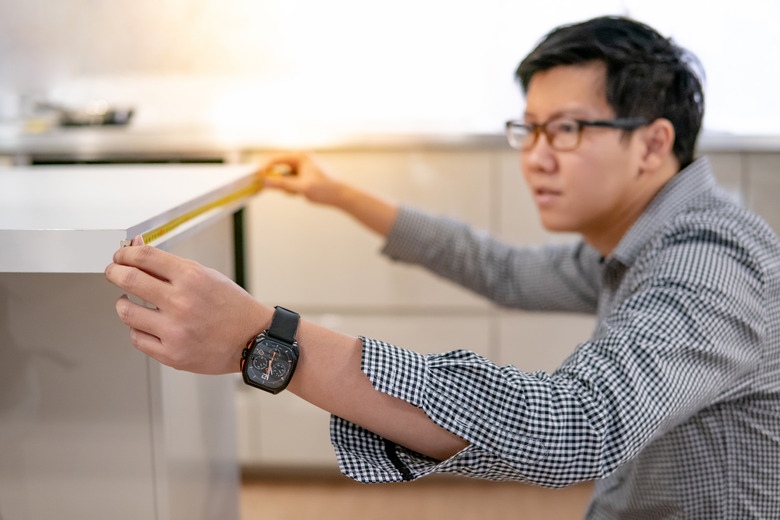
368,458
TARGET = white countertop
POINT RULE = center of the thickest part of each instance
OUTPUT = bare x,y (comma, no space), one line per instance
72,218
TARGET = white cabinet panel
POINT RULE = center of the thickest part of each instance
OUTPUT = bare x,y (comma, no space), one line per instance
541,341
74,417
196,456
301,254
727,167
763,172
92,428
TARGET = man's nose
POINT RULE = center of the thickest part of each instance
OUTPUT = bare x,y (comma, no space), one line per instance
540,155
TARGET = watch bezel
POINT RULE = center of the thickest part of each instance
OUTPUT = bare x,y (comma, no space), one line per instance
273,342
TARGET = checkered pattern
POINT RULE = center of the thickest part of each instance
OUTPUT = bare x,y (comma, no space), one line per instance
673,404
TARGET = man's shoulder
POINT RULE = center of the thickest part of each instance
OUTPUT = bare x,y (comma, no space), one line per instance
715,224
720,211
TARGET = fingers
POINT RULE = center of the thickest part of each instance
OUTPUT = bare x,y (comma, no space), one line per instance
147,343
138,316
135,281
146,330
144,324
284,172
154,261
280,169
153,347
283,164
289,184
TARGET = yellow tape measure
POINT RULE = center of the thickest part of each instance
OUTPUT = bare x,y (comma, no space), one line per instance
154,234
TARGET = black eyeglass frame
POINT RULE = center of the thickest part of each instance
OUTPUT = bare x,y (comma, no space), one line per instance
622,123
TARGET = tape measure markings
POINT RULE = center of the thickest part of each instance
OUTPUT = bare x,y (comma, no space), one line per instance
156,233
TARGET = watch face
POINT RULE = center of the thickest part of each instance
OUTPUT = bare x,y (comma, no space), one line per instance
270,364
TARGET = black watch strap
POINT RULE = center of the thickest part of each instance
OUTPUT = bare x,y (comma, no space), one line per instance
284,325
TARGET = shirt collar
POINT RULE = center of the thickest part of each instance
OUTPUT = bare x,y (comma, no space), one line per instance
687,184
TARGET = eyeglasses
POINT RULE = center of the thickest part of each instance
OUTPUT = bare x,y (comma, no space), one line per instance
563,133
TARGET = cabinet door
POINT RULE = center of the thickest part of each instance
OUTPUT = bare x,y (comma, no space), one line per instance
92,428
74,402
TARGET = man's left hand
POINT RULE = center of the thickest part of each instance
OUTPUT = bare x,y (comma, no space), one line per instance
201,319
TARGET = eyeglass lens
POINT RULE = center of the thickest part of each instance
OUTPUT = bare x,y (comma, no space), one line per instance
561,134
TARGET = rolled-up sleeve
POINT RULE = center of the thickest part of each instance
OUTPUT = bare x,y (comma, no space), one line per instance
439,385
463,392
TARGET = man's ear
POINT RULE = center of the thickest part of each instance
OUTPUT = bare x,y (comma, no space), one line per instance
658,143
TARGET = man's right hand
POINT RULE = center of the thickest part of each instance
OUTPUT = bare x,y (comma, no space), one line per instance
306,177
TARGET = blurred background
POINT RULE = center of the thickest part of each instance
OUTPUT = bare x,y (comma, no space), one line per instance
406,98
299,71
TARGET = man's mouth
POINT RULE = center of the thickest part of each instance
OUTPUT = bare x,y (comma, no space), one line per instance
544,196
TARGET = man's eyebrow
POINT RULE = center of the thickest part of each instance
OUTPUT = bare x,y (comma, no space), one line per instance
576,113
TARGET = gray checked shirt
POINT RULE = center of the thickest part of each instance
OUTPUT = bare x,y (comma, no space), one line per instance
672,406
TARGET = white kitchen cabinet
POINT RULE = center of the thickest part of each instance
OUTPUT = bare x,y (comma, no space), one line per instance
90,427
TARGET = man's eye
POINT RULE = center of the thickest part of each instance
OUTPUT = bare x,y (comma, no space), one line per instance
565,127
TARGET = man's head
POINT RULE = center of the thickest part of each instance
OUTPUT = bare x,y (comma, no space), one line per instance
646,74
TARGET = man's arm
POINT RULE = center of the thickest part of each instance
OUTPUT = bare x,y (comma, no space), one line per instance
202,321
311,180
554,278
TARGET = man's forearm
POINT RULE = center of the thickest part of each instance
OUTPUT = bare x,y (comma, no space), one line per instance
329,376
312,181
374,212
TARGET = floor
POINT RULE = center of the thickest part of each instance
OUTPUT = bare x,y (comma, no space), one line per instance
435,498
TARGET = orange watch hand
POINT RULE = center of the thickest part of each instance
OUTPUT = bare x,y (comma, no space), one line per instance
270,363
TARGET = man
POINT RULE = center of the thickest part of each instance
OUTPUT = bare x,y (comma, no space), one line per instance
673,405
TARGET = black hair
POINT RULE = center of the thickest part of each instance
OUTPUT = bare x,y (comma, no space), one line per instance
647,75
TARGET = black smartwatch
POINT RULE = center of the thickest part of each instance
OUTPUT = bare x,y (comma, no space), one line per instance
269,359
